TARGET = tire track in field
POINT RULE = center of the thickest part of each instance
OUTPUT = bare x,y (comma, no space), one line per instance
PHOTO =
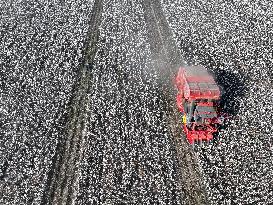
167,60
62,184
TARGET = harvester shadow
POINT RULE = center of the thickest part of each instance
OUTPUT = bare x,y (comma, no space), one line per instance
233,88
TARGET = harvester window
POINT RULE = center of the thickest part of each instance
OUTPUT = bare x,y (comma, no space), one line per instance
185,104
189,109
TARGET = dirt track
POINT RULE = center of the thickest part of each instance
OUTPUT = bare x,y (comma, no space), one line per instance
167,59
63,180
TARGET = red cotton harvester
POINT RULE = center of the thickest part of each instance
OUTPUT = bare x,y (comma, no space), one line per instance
198,100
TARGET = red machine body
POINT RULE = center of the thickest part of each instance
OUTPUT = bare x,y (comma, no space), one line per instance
197,98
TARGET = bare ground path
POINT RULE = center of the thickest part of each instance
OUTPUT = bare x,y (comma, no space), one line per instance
63,178
167,59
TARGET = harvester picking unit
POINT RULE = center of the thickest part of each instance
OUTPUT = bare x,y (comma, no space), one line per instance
198,100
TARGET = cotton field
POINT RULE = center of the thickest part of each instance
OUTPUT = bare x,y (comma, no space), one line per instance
86,102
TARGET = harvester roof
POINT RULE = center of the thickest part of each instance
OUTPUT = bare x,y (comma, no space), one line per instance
198,83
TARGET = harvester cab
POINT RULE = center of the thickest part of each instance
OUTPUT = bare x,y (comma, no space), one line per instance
198,100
